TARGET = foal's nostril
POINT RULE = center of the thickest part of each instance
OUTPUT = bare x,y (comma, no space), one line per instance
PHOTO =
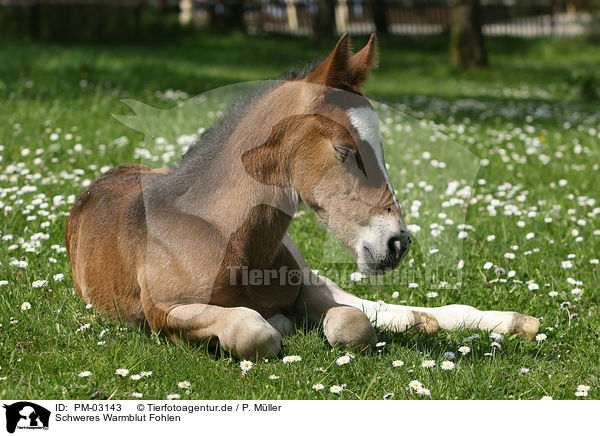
398,244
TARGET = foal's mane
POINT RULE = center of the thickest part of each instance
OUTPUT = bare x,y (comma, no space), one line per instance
216,136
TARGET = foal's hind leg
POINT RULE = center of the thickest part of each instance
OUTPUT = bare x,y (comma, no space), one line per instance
242,331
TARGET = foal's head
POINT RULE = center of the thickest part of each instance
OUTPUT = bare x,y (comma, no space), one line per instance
331,152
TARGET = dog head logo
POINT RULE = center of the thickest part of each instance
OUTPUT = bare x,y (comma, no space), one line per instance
26,415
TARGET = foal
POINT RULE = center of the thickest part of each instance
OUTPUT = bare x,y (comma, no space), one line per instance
171,248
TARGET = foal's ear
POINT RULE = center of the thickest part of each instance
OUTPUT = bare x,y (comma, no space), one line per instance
333,70
361,64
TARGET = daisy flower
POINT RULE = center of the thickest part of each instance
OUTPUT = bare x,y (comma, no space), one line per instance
546,398
428,364
583,388
173,396
122,372
137,395
541,337
581,394
338,389
397,363
135,377
318,387
39,283
356,276
343,360
553,293
58,277
292,359
246,365
184,384
26,306
415,384
380,344
524,370
84,374
447,365
273,377
423,391
496,336
146,373
464,350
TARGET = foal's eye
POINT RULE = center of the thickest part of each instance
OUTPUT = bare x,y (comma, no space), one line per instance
342,152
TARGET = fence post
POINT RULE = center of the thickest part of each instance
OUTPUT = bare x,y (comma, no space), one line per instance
342,16
185,12
292,16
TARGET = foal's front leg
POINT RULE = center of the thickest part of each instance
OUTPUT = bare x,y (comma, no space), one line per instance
344,323
399,318
240,330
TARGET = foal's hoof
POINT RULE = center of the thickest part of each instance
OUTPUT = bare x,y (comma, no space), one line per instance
425,322
526,326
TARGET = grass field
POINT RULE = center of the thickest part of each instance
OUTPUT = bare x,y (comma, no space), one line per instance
533,214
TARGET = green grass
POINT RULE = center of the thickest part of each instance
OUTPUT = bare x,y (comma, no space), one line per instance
527,105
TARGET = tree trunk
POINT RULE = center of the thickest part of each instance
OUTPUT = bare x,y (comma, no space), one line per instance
237,16
466,38
380,17
324,26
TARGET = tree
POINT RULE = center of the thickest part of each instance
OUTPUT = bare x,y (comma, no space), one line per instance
466,38
324,26
380,17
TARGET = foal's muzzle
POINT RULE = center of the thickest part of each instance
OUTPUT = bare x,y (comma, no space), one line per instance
383,260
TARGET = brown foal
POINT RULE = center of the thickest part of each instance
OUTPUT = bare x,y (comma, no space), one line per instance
170,248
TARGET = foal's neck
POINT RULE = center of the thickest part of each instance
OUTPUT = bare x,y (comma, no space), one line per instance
252,218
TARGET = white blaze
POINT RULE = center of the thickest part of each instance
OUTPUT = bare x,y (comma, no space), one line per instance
366,122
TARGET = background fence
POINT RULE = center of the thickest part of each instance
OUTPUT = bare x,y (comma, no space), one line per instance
422,17
518,18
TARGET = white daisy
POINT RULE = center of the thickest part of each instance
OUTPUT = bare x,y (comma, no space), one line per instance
414,384
343,360
447,365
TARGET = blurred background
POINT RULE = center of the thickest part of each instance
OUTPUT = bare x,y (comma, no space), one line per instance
319,20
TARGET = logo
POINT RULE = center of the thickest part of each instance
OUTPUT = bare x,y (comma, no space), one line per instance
26,415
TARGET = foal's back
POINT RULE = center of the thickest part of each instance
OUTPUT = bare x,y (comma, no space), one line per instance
105,227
